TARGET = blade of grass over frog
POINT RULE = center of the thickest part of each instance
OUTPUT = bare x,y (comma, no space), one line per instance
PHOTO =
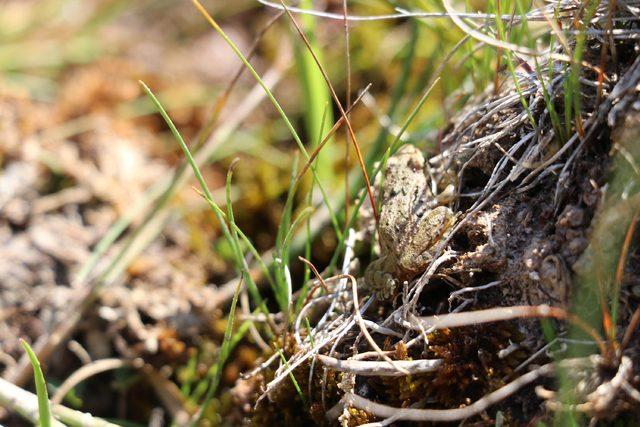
435,78
225,350
373,155
44,409
240,263
338,104
315,94
391,149
271,97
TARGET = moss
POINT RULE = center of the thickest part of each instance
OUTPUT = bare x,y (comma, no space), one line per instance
358,417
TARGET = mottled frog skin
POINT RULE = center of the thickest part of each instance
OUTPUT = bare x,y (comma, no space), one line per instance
410,223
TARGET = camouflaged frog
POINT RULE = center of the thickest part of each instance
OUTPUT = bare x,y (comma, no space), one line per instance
411,223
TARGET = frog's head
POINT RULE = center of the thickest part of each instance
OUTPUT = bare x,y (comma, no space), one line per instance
407,157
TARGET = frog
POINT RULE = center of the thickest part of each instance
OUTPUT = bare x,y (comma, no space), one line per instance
411,221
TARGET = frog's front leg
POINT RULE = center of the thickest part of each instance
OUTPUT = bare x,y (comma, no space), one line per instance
379,276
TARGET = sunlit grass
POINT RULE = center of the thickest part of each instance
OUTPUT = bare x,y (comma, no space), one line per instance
44,408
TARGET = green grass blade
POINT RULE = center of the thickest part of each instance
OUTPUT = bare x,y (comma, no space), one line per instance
309,236
276,105
44,408
220,215
309,331
398,94
510,64
235,241
235,232
573,101
315,93
178,137
281,262
304,214
225,350
293,379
